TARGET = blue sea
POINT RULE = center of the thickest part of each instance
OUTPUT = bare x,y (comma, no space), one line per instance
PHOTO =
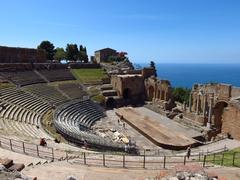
185,75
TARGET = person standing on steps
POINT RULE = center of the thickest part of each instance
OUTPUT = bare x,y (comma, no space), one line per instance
189,151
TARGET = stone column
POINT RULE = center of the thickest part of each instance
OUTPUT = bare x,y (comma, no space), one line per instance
197,110
165,98
204,105
210,112
161,94
190,102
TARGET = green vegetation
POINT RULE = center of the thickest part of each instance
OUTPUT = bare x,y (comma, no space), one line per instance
152,65
89,75
228,158
72,52
47,123
98,98
5,85
181,94
60,54
48,47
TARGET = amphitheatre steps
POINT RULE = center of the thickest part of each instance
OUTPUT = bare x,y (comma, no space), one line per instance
71,118
47,93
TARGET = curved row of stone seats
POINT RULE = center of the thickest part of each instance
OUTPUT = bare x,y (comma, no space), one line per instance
70,117
82,113
20,129
73,134
17,113
73,90
57,74
22,78
46,92
24,100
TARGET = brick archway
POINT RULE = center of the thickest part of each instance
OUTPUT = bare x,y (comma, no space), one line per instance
218,114
150,93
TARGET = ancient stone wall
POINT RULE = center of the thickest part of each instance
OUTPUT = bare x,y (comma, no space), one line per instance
158,89
128,86
148,72
21,55
214,105
30,66
83,65
231,120
235,91
103,54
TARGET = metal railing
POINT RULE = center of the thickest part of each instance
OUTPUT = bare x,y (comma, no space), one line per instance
121,160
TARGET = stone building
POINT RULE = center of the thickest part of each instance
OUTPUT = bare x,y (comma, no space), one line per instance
21,55
157,89
103,54
216,106
160,92
136,86
129,86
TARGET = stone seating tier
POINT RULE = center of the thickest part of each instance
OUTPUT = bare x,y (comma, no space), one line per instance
71,118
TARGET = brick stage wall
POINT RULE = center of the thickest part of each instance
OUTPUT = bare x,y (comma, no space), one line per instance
21,55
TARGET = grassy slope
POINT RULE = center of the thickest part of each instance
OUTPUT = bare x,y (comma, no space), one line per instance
5,85
89,75
228,158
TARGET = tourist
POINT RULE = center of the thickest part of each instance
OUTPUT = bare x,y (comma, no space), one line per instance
124,125
189,151
43,142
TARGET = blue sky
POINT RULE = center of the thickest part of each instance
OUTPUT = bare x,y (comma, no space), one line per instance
165,31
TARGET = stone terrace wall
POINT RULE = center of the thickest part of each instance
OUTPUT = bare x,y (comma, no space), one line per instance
29,66
21,55
235,91
231,120
83,65
15,67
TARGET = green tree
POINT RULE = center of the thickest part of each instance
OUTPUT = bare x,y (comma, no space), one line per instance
152,65
83,54
72,52
49,49
60,54
181,94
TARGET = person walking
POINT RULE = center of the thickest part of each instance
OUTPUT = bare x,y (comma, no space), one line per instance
189,151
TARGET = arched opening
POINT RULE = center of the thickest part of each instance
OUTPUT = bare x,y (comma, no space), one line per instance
158,94
162,95
150,93
218,112
111,103
127,93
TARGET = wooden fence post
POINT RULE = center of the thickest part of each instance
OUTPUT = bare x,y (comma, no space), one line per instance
204,160
184,160
67,156
222,159
199,156
84,158
123,161
10,141
164,162
234,154
37,151
23,145
104,160
52,154
0,143
144,161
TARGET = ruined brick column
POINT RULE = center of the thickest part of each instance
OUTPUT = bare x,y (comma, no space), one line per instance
210,112
190,102
204,104
197,110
